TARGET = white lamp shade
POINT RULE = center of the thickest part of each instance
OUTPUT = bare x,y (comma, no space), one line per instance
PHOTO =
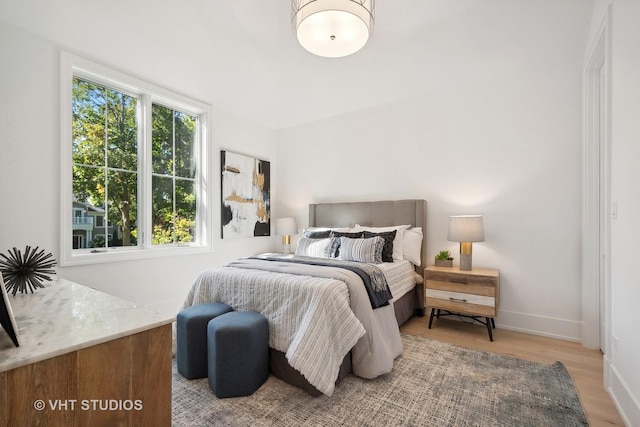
286,226
466,228
332,28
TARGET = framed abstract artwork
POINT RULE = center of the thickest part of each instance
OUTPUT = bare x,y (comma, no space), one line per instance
246,198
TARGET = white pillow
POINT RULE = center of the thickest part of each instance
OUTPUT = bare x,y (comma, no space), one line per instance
318,248
397,241
412,243
362,250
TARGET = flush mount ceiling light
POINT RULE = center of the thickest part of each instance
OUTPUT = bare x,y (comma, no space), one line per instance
332,28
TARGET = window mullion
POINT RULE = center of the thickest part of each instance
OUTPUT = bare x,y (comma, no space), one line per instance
201,178
173,173
145,179
107,205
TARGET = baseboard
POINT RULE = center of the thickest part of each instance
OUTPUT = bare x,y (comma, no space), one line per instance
568,330
626,404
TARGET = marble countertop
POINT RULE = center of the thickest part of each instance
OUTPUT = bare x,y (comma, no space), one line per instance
65,317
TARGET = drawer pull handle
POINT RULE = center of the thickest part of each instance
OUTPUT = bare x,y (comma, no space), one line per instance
457,299
461,281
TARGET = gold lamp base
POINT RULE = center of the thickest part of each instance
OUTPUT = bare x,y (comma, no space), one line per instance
286,243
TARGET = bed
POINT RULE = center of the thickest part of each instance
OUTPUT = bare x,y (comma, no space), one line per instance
326,341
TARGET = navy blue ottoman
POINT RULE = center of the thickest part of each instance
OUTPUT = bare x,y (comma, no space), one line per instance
191,337
238,353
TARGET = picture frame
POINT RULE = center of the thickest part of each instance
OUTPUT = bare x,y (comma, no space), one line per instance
7,320
245,195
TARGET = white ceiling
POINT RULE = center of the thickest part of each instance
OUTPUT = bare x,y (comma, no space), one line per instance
254,67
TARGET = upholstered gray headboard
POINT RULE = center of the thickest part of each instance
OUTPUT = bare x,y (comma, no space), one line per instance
373,214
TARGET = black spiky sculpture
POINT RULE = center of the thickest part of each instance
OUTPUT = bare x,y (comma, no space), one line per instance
24,273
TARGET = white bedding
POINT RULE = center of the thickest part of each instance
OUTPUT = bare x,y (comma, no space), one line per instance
314,335
400,276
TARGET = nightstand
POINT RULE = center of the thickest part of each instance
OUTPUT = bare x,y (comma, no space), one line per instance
474,294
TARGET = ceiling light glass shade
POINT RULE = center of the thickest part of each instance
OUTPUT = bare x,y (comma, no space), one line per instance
332,28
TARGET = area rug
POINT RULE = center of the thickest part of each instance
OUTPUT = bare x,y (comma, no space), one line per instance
432,384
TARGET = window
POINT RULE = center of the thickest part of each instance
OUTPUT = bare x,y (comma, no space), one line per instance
174,172
133,167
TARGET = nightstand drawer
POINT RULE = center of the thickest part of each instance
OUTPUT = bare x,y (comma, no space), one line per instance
485,289
460,278
458,306
489,301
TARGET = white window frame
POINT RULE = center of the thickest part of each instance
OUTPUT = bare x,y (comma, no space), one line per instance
75,66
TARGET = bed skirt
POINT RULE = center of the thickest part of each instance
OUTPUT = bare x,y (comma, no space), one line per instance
409,304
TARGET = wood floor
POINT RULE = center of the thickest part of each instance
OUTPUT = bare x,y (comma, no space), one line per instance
584,365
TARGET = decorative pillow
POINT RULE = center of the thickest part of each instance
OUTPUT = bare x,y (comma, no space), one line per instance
362,250
397,242
388,236
352,234
322,232
412,243
318,248
334,252
317,234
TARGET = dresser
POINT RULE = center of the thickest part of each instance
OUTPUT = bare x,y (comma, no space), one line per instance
473,294
85,358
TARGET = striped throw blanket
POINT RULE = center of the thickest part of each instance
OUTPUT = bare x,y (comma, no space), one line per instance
315,335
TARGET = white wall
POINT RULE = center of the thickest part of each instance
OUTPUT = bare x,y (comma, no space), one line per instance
505,144
30,165
621,365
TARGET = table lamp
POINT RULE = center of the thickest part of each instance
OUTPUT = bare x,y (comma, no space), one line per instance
285,227
465,229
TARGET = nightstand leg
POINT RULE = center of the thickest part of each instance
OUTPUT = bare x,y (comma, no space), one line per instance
493,323
489,329
431,317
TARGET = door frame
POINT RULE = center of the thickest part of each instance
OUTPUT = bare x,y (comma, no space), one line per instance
596,161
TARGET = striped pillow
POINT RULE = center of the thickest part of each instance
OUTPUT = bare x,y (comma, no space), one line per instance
362,250
388,236
335,245
318,248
